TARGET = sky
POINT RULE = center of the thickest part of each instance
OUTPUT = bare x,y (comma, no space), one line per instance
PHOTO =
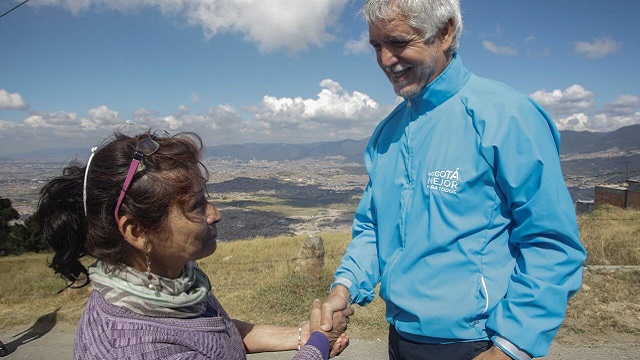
295,71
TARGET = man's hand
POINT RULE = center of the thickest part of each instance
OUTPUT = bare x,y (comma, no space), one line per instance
337,336
337,300
494,353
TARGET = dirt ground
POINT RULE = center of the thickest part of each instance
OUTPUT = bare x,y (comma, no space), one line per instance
57,343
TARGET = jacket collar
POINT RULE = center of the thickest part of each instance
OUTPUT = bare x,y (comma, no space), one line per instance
447,84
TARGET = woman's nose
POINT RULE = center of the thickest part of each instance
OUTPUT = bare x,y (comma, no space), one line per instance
213,215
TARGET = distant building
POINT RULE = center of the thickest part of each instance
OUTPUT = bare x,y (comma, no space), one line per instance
633,193
584,206
619,195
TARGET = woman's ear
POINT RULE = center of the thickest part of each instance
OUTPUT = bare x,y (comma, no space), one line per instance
133,233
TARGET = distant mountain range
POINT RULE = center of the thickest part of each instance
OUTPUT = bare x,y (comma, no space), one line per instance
351,150
583,142
573,142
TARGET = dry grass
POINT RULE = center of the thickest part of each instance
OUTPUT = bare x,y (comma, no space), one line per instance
255,281
606,309
611,236
28,291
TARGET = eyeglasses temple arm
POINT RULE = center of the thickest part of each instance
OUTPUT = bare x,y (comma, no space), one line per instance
132,170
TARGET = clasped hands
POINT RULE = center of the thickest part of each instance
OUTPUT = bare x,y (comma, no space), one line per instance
331,318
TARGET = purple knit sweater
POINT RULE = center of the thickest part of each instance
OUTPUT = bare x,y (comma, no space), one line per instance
110,332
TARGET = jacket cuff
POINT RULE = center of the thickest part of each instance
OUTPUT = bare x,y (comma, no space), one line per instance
509,348
319,341
346,283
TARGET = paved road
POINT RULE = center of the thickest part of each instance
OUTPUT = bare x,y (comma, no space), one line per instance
57,343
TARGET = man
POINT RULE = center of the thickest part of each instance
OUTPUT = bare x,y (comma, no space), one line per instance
466,222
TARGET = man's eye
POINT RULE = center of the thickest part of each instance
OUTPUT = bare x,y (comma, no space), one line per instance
399,44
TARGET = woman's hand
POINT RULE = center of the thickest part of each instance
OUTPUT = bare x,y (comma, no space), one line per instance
339,345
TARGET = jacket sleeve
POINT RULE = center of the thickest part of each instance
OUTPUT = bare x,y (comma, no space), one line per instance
524,154
309,352
316,348
359,270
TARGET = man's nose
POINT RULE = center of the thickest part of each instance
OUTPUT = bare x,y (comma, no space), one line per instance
387,58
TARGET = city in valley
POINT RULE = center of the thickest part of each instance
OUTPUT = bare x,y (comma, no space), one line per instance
265,198
257,198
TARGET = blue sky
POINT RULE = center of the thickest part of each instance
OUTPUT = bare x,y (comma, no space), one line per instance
239,71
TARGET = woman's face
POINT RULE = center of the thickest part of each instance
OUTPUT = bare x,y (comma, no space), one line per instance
191,236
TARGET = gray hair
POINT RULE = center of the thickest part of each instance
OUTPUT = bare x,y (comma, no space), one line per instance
426,16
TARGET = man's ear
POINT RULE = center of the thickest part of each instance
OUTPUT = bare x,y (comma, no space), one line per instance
133,233
446,35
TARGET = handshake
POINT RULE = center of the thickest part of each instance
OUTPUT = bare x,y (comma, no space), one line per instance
331,319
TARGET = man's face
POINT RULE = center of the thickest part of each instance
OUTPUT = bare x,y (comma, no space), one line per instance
408,60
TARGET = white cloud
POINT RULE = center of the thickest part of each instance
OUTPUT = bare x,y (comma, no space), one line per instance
334,114
623,111
599,48
332,104
574,109
499,50
575,122
574,99
608,122
58,119
358,46
9,130
12,101
624,105
271,24
99,117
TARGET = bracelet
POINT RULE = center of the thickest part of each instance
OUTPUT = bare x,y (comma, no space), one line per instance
300,334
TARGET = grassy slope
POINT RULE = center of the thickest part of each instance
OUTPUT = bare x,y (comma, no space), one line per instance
255,281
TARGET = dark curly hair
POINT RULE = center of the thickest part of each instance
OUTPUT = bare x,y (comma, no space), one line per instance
166,177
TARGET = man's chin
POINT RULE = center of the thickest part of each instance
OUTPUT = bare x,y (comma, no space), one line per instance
407,92
405,89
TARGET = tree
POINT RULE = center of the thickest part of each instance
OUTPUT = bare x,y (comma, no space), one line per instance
25,236
17,238
7,214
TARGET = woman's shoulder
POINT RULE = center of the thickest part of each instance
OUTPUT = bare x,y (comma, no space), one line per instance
112,332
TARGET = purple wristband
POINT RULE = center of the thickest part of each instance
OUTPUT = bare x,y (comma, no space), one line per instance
320,342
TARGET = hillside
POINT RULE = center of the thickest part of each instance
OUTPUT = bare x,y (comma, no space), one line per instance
351,150
582,142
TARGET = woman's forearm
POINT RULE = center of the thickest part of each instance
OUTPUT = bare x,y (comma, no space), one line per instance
264,338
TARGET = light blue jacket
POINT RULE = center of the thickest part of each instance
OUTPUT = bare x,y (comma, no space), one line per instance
466,221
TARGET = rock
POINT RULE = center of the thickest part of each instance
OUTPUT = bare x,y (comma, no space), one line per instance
310,259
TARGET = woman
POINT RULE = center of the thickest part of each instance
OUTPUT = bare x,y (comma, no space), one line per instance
140,208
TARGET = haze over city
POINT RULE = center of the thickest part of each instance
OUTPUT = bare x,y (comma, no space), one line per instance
235,71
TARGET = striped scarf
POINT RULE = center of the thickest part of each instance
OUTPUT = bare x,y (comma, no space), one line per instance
183,297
